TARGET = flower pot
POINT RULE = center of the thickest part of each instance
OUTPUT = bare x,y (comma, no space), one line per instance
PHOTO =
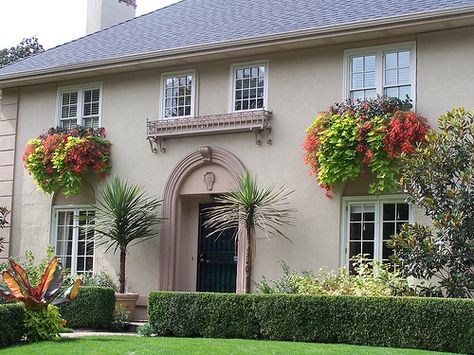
127,301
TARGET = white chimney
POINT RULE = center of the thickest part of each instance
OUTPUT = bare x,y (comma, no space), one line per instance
105,13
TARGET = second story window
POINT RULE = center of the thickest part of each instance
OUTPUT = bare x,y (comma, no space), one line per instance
249,87
178,95
384,70
79,107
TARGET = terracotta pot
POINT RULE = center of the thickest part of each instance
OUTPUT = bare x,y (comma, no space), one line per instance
127,301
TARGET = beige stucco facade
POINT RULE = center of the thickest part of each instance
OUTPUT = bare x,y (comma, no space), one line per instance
300,83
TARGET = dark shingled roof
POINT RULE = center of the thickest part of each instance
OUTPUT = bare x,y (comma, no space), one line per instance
191,23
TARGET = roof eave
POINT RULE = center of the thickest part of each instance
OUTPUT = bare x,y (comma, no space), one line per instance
18,79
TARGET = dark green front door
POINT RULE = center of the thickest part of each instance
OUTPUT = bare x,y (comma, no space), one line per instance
217,259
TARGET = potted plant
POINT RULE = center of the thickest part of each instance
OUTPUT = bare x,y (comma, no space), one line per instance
125,216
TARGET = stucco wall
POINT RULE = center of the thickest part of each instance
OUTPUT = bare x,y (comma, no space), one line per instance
300,84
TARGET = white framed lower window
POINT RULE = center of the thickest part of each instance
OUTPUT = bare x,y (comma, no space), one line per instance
249,86
380,70
369,223
73,238
79,106
178,94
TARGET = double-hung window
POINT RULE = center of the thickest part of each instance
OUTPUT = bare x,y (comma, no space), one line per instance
74,239
249,87
178,90
384,70
79,106
369,224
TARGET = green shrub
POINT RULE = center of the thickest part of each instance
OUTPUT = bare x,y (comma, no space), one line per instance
11,323
101,279
93,308
370,278
120,320
42,323
406,322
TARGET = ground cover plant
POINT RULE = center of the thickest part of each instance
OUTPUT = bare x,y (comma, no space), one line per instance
140,345
439,179
358,135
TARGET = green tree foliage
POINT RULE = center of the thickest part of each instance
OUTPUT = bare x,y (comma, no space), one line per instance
26,48
439,178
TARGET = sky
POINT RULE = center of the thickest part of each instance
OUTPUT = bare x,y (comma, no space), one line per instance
54,22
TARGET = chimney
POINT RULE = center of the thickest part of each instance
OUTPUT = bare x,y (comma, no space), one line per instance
105,13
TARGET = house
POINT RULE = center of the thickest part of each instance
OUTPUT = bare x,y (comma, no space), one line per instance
193,94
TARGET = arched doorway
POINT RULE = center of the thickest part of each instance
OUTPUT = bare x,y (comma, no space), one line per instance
201,174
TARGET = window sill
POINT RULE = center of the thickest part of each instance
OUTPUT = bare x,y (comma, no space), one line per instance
257,121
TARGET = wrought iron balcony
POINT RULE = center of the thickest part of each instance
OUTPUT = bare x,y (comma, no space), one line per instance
250,121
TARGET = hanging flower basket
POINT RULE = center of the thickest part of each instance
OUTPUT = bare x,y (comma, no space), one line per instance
363,134
60,158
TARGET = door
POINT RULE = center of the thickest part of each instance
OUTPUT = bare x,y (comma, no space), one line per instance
217,258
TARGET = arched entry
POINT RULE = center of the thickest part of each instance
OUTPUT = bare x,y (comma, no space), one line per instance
202,173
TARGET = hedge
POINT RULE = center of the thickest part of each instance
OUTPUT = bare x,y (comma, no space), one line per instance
93,309
11,323
404,322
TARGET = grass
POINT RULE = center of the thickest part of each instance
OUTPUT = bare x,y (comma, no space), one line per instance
140,345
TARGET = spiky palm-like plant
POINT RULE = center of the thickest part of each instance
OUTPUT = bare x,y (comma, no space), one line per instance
252,207
125,216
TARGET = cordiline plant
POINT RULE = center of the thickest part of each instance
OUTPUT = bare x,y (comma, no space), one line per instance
42,318
47,292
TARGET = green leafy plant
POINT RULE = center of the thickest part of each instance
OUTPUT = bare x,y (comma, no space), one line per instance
439,179
43,324
125,216
120,320
370,278
351,137
101,279
60,158
146,330
39,300
26,48
256,207
12,328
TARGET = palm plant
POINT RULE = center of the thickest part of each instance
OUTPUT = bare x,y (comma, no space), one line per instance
125,216
252,207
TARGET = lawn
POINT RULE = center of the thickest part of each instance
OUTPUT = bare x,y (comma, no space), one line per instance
140,345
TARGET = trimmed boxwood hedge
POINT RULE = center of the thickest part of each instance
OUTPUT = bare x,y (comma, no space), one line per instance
93,309
11,323
404,322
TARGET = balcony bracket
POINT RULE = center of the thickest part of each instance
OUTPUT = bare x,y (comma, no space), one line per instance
157,145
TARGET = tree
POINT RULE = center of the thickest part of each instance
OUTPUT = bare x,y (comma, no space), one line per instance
26,48
439,178
3,221
125,216
253,207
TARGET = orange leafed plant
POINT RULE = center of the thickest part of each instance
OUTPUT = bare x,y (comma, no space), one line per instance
48,291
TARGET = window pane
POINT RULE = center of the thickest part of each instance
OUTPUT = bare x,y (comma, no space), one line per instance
388,230
357,64
355,248
357,81
369,63
355,95
369,231
391,77
404,91
368,248
391,61
391,92
402,211
386,251
370,93
388,211
369,79
403,76
404,59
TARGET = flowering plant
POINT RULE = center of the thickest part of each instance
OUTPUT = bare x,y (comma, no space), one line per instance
359,134
60,158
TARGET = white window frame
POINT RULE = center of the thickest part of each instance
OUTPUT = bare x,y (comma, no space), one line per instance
80,98
379,52
378,201
75,238
172,74
233,69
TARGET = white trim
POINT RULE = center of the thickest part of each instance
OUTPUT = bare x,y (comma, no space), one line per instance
233,68
80,97
163,77
378,201
379,52
54,232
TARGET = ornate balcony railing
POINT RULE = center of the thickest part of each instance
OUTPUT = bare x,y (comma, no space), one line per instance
250,121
